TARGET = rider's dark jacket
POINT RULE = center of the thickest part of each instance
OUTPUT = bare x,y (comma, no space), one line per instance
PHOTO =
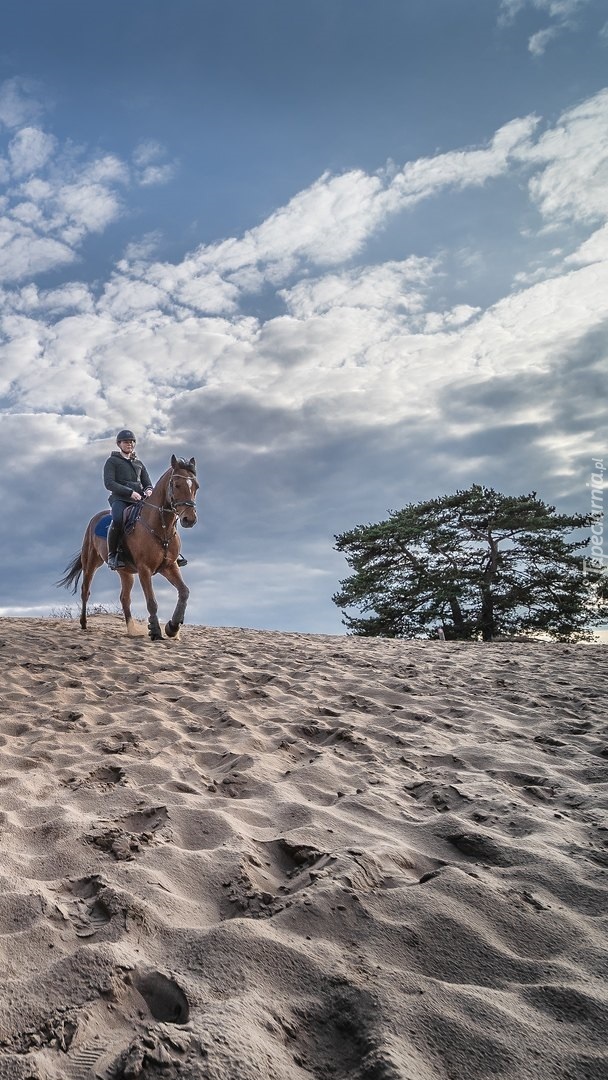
123,475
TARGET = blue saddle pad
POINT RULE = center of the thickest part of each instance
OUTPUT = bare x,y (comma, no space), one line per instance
102,526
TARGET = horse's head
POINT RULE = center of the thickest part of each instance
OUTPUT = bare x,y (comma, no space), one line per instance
182,490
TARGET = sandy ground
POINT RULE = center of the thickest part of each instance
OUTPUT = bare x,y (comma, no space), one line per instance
247,855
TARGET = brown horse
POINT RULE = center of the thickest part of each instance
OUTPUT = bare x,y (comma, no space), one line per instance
153,547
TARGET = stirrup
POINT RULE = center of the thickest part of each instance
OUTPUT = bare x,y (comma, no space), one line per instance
180,561
115,562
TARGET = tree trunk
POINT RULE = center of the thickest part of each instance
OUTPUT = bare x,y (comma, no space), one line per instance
460,632
487,601
487,615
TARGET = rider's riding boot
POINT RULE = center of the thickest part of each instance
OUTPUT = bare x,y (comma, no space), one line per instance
114,534
180,561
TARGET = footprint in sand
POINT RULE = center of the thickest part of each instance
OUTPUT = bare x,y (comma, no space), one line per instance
225,770
441,797
104,777
330,734
338,1035
148,820
483,849
130,834
389,869
89,1054
164,998
90,906
120,742
181,787
266,881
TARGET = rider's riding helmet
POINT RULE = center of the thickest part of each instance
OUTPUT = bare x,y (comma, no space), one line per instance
125,435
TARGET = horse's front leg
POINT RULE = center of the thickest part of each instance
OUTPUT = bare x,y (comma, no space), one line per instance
126,581
171,573
154,630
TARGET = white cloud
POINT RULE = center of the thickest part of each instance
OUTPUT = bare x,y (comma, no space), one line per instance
73,297
327,223
108,169
28,213
148,151
24,253
562,14
209,293
156,174
19,102
562,10
539,41
36,189
387,286
138,251
436,321
593,249
572,183
29,150
460,168
357,365
123,298
56,196
45,218
509,9
82,207
150,169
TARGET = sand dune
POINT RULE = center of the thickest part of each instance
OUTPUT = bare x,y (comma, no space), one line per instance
262,856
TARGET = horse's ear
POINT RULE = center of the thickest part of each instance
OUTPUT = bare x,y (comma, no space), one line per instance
192,464
173,461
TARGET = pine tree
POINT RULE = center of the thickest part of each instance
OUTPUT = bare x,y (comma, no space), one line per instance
475,564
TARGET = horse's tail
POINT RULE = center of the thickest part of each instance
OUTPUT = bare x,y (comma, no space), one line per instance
72,574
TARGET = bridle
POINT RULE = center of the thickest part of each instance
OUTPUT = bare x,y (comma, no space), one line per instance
178,502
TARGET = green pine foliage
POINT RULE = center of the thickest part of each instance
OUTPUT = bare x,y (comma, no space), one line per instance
475,564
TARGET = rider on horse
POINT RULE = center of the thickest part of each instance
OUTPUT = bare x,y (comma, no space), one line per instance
127,480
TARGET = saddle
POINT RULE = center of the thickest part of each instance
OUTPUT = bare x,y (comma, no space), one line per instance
129,517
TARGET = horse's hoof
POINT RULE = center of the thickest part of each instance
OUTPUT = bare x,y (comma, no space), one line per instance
171,630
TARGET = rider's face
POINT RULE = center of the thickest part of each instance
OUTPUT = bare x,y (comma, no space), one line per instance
127,445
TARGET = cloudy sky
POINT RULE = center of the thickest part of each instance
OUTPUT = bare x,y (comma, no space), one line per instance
347,254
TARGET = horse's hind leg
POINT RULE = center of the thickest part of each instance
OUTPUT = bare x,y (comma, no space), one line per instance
91,561
85,592
172,574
